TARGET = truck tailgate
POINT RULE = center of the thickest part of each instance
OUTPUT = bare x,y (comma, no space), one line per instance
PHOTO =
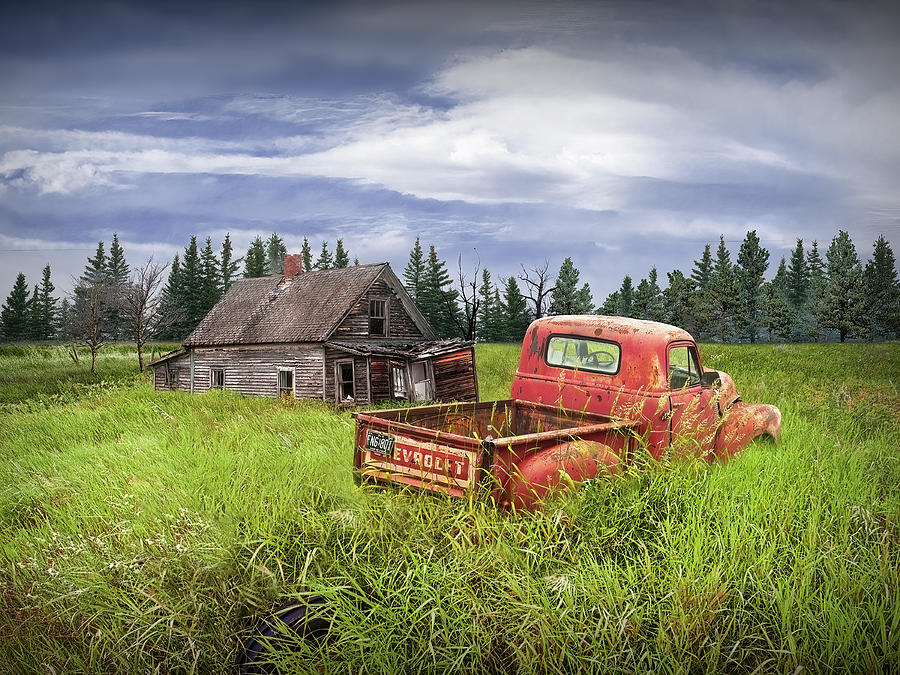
402,453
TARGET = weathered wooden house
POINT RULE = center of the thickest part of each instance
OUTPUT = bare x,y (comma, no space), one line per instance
351,335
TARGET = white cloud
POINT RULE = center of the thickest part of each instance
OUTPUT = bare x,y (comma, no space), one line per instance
529,126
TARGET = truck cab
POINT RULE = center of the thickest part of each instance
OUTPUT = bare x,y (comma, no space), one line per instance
642,371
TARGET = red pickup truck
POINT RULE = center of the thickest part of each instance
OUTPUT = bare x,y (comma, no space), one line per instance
588,389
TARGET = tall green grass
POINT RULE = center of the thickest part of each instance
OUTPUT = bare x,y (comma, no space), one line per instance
144,531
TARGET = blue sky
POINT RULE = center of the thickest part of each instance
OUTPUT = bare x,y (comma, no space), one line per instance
623,135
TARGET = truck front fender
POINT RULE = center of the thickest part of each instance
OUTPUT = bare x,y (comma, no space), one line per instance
745,421
547,471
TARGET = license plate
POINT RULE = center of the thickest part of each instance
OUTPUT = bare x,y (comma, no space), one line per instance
379,443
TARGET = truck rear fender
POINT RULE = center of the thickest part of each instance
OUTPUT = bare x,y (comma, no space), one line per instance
744,422
542,473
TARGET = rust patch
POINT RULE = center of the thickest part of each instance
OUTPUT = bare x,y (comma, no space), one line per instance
533,347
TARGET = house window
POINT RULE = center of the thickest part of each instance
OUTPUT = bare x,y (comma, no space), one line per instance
398,377
171,376
343,377
286,382
217,378
421,379
378,318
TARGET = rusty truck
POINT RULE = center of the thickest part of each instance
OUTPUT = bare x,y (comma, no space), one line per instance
589,392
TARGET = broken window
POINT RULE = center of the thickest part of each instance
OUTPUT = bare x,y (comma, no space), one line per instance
421,378
217,378
171,376
398,377
684,370
286,382
583,354
344,381
378,318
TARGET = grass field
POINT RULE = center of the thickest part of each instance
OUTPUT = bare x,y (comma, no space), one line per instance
142,532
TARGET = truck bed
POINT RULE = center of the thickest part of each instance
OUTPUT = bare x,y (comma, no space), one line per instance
453,448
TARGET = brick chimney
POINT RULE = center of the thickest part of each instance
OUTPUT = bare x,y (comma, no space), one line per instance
293,265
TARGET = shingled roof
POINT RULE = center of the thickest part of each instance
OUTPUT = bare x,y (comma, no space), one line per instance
305,308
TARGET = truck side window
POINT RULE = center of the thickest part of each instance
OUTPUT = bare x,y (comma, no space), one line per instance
583,354
684,370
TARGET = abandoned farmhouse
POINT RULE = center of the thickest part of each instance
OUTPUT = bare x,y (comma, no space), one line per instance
351,336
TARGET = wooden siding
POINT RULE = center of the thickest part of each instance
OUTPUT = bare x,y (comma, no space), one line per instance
250,370
454,376
400,324
380,379
180,366
360,375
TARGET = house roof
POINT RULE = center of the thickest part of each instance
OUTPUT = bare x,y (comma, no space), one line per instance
401,349
166,357
305,308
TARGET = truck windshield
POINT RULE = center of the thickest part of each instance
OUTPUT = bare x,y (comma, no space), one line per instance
583,354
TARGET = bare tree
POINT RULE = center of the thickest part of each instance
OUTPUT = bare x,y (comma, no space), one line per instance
87,322
468,291
141,304
537,279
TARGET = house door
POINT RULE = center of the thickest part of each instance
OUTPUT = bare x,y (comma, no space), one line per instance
421,380
344,381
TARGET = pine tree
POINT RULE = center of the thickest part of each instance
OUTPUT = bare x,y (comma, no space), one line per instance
515,316
341,259
64,320
209,278
355,261
701,300
816,288
797,294
91,286
46,308
648,301
566,297
626,297
780,319
33,314
641,307
228,266
172,305
414,273
610,306
752,263
96,269
798,277
777,315
487,329
325,261
437,298
255,260
843,304
192,285
275,250
306,252
722,293
677,301
883,291
114,322
14,315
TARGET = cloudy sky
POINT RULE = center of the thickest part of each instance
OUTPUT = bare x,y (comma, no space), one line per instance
622,134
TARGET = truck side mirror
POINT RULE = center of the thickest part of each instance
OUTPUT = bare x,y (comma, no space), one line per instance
710,379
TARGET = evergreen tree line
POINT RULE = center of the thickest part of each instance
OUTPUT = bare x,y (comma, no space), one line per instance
809,298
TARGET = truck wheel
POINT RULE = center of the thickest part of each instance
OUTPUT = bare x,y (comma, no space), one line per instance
299,617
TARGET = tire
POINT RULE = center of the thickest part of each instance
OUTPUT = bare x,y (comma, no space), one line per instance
300,617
